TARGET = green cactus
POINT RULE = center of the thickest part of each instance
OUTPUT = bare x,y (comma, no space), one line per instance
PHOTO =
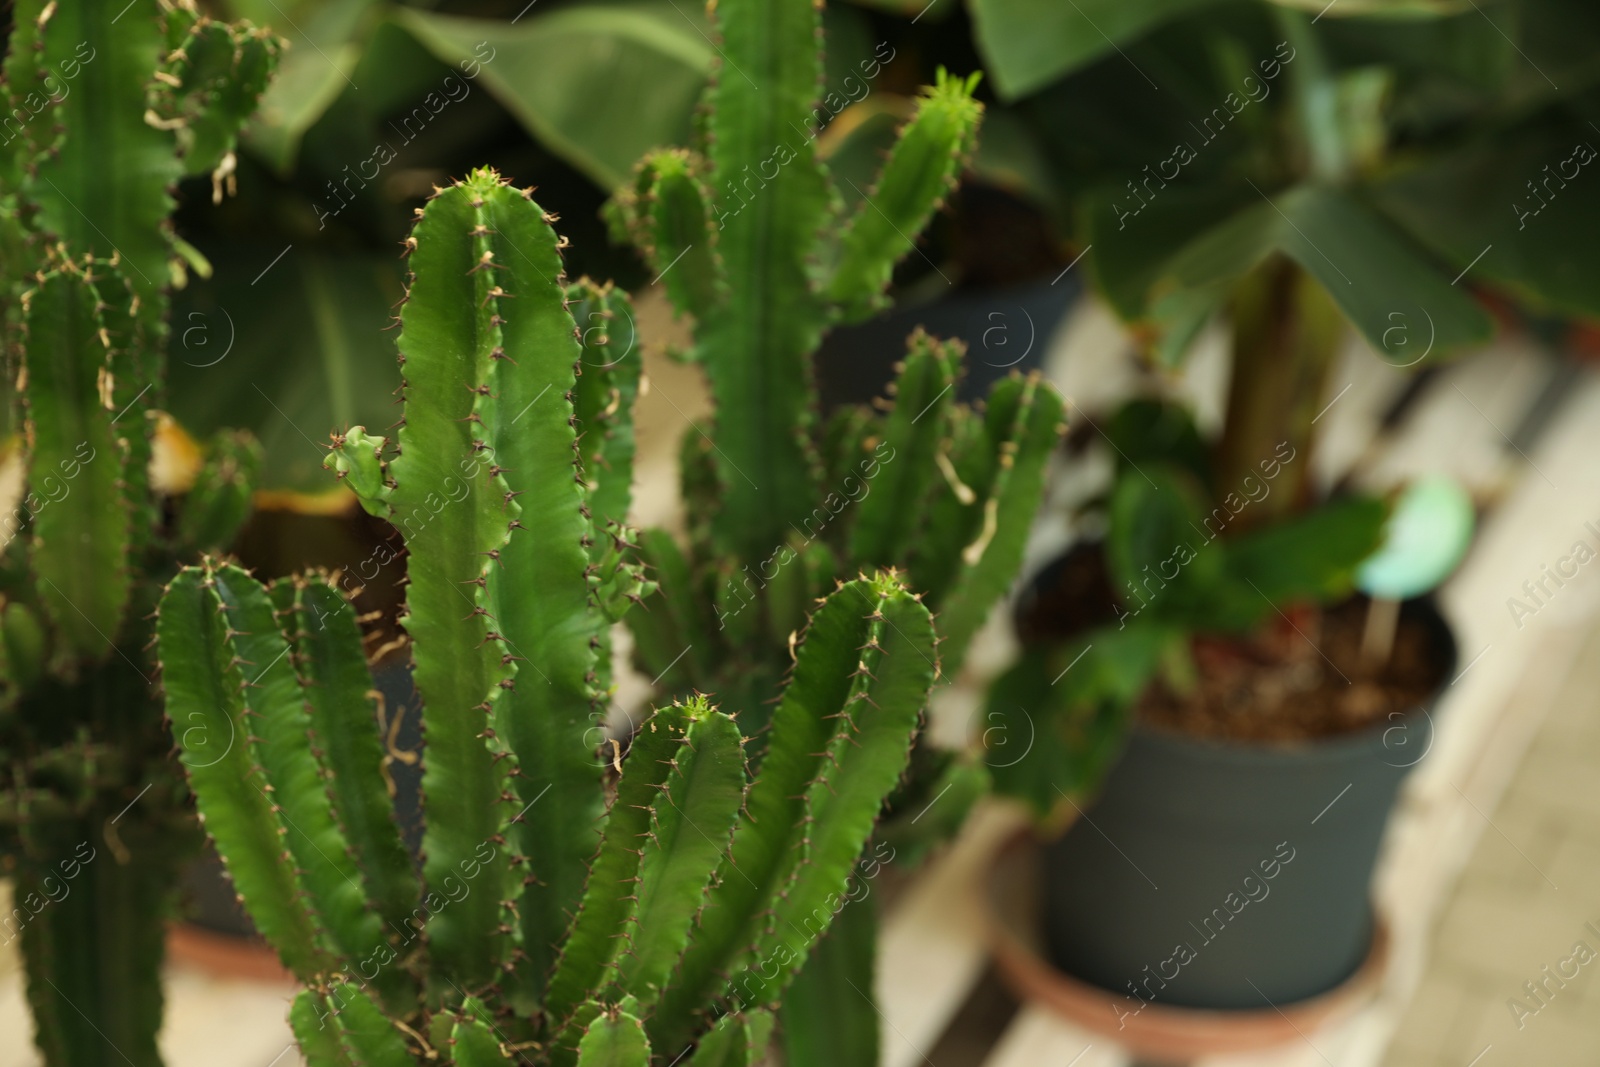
107,105
752,241
548,925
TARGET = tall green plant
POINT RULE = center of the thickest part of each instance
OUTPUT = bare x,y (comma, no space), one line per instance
754,243
546,925
107,106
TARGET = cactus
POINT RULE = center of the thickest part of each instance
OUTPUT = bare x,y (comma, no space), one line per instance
107,105
548,925
752,242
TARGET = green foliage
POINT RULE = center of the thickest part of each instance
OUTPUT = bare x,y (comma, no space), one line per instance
107,105
1384,154
547,923
1027,44
1055,721
596,85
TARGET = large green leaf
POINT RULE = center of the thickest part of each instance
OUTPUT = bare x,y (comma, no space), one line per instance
1131,240
1161,557
599,84
1026,44
1392,291
1312,557
1474,208
326,39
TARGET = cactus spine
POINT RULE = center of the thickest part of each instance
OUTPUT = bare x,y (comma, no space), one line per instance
107,105
548,925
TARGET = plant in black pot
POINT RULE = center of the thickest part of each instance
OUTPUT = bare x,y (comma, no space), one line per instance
1207,701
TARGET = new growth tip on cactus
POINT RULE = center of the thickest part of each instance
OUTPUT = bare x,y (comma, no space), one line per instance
107,105
583,899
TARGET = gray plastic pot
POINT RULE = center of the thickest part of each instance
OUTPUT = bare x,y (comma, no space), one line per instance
1232,876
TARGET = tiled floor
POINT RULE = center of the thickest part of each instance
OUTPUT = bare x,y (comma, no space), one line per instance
1528,899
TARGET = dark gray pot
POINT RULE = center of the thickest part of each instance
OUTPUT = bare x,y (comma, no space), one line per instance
1005,329
1161,891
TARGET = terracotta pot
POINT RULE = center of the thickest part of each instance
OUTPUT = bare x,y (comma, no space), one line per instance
1154,1030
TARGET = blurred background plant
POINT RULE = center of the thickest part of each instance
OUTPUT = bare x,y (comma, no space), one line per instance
1381,166
108,105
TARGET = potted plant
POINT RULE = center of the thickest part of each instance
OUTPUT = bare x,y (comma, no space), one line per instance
547,925
1260,713
107,107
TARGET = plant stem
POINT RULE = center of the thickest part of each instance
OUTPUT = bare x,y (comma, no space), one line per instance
1286,333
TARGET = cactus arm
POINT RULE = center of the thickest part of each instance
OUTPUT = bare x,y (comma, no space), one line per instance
221,71
614,1039
953,513
453,514
739,1039
828,1018
540,595
1024,423
801,572
756,347
23,79
133,364
204,684
607,386
844,441
690,823
922,168
801,731
866,757
697,485
673,638
92,950
81,538
339,699
473,1042
366,1036
24,641
310,1020
356,459
828,767
281,726
675,223
213,512
888,516
610,896
106,113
